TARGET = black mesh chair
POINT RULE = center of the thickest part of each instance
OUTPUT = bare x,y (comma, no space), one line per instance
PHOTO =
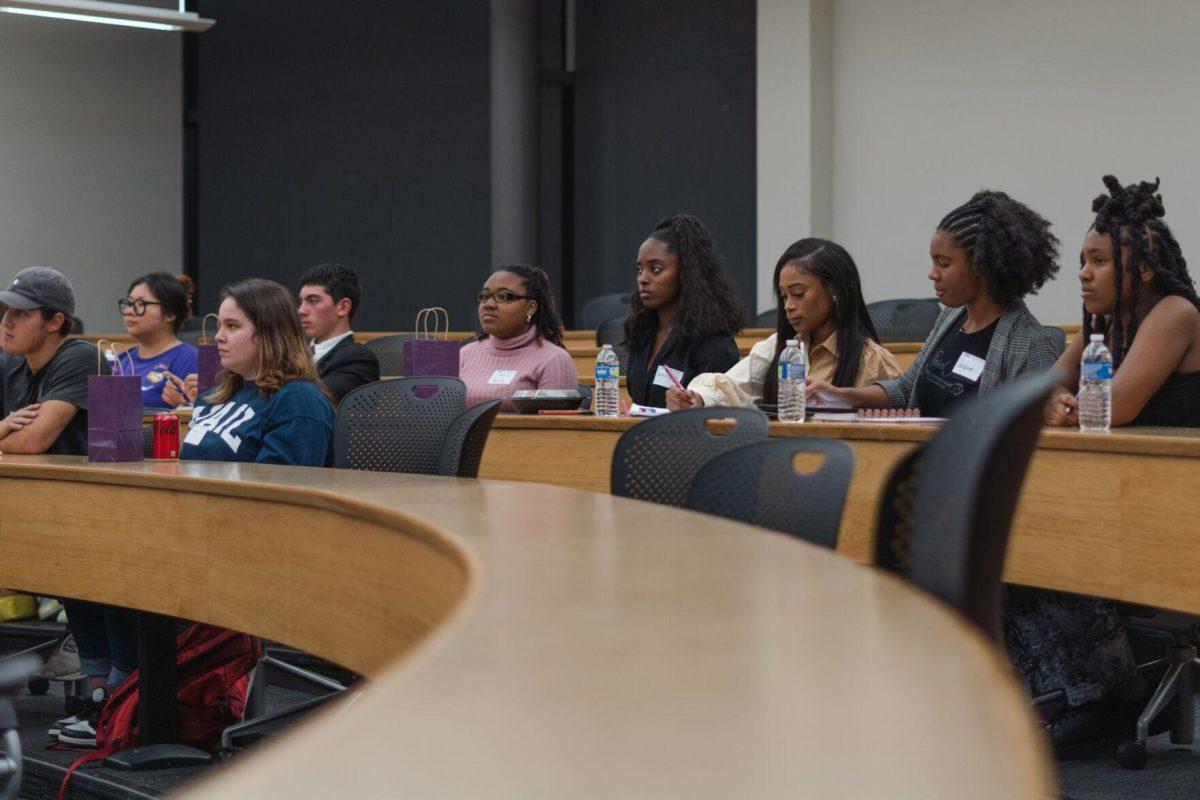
15,673
612,331
766,319
398,425
604,307
657,459
76,325
758,483
1058,336
585,394
947,507
904,320
390,352
462,450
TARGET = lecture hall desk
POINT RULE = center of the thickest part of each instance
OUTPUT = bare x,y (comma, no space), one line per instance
1114,515
533,641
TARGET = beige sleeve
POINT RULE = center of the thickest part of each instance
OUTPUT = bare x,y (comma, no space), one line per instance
877,364
742,384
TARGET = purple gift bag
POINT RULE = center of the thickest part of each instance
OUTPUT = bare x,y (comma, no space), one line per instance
208,365
428,354
114,414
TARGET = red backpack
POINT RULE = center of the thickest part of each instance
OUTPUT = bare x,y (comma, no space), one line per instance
213,672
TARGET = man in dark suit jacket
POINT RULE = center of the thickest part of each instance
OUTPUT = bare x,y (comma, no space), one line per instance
329,296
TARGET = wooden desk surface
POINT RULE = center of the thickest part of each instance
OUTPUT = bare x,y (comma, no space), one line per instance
1112,515
532,641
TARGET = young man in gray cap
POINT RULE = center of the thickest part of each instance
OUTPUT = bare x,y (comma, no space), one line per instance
43,374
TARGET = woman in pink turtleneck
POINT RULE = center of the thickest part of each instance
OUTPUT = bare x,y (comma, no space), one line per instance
522,344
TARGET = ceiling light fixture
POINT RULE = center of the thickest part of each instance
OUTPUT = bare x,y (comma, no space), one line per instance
147,17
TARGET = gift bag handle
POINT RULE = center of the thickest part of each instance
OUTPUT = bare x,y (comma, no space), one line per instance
116,356
421,327
204,322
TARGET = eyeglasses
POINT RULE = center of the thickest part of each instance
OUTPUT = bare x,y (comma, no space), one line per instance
502,296
138,306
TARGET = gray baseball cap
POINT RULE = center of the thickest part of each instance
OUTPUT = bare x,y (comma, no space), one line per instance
40,287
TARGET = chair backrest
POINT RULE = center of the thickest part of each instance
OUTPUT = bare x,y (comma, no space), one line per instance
947,507
606,306
657,459
904,320
612,331
766,319
398,425
1059,336
585,395
76,325
390,352
758,483
465,439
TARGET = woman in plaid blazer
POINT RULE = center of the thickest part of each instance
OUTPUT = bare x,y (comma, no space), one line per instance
987,255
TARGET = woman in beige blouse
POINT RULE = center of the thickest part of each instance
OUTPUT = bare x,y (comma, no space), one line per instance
820,303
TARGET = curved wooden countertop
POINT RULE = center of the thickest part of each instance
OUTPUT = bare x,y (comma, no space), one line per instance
532,641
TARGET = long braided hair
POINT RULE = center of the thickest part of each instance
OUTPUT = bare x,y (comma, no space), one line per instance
1010,245
834,267
537,287
1132,216
708,301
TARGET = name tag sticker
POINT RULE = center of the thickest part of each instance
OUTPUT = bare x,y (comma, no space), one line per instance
663,376
969,366
502,377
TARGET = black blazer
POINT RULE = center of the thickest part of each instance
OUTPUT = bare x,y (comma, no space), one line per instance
716,352
347,366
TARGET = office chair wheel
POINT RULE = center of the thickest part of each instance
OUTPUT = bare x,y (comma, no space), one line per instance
1132,755
38,685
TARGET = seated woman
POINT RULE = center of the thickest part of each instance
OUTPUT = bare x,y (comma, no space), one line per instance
820,302
521,347
987,255
269,406
155,308
685,312
1135,282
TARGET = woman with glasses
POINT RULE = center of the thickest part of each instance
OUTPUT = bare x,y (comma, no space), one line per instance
154,309
521,346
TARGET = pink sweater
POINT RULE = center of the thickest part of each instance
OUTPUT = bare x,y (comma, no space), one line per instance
501,367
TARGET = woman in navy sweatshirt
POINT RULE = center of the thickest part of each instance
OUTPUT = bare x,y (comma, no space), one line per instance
269,406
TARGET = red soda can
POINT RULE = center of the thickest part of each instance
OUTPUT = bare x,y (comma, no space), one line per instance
166,436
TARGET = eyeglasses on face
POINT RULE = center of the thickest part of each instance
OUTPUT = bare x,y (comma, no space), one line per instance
138,306
502,296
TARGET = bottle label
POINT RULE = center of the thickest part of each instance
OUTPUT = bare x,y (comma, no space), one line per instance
792,371
1096,371
606,372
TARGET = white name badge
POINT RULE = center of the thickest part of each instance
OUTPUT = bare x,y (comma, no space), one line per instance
502,377
969,366
663,376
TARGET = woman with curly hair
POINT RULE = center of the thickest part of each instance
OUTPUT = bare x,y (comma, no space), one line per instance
987,255
684,314
521,346
1134,282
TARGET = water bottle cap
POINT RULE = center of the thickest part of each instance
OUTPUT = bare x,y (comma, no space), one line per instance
1097,337
793,343
606,347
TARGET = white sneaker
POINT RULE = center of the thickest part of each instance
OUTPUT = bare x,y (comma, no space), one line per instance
48,607
80,729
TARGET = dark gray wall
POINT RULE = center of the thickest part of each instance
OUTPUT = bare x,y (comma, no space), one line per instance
665,121
357,131
353,131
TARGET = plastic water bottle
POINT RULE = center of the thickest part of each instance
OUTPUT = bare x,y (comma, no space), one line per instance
1095,387
793,368
608,388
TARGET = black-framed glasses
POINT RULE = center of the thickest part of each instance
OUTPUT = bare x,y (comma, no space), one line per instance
502,296
138,306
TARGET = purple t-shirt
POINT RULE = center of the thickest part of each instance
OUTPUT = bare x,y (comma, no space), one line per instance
180,360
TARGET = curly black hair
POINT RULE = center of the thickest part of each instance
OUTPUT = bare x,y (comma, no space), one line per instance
537,287
1132,215
1009,244
708,301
